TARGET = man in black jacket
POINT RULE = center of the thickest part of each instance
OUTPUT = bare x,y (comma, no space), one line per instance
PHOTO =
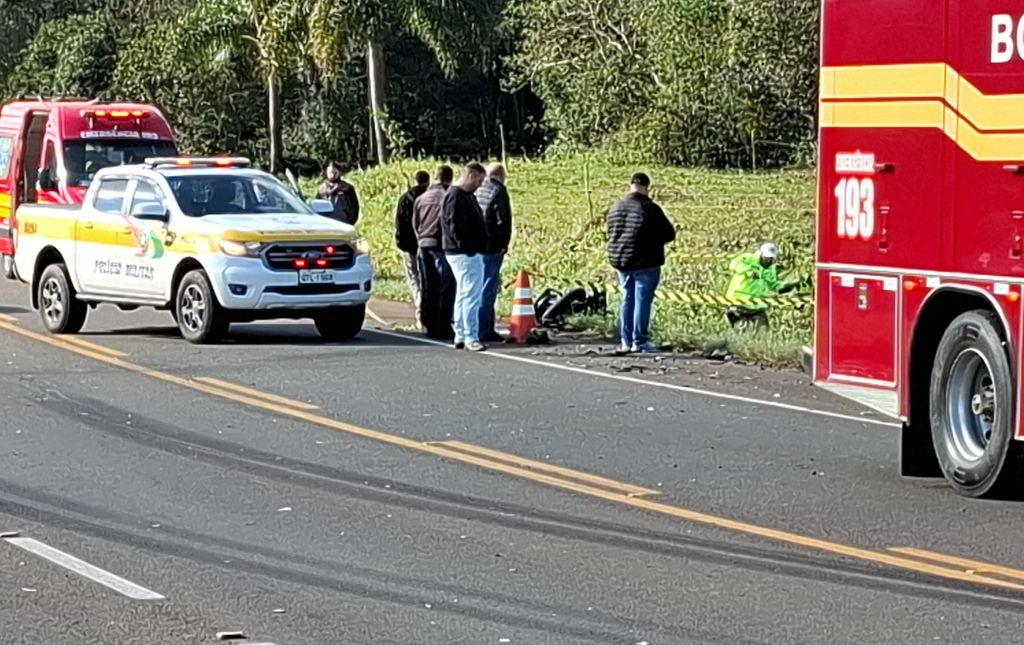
437,284
497,209
340,193
464,239
637,234
405,238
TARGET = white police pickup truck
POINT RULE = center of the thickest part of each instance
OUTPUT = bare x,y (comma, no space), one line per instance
211,240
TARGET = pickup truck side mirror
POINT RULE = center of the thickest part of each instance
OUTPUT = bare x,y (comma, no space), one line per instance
321,206
151,211
46,180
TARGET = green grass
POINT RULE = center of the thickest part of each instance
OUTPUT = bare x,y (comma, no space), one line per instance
559,208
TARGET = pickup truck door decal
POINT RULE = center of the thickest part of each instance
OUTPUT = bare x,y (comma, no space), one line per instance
142,245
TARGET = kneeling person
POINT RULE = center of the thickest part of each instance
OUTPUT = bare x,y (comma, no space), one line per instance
754,276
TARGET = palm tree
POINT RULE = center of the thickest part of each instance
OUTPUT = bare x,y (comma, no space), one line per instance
451,29
286,32
278,28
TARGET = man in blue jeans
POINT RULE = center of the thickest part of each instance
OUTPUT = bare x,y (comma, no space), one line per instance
638,231
463,239
497,209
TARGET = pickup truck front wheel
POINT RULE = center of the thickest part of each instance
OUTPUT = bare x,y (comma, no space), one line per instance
341,323
199,315
61,312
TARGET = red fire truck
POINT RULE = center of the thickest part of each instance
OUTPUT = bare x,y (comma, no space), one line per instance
921,228
50,150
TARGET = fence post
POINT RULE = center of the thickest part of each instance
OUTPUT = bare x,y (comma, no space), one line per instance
753,150
504,150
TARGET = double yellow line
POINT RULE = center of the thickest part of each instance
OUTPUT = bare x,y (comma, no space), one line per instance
594,486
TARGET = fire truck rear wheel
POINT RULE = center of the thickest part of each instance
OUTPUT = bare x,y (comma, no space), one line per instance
973,409
61,311
200,317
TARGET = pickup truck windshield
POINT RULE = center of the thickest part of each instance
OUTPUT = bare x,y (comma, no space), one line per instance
200,195
84,158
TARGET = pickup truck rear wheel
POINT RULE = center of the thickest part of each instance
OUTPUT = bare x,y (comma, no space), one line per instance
973,410
341,323
199,315
61,311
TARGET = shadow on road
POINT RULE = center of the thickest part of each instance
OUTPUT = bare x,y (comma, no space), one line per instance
256,335
7,309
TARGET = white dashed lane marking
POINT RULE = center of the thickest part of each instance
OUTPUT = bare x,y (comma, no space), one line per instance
84,569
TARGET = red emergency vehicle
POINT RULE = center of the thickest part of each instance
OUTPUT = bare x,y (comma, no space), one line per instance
921,228
50,150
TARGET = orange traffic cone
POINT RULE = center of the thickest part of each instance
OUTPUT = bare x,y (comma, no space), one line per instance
524,318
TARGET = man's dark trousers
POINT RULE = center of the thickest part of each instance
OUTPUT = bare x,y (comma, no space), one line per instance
492,285
437,284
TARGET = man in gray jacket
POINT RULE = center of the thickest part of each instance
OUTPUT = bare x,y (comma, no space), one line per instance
437,284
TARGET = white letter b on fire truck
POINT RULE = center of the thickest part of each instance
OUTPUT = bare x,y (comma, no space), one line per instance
1005,34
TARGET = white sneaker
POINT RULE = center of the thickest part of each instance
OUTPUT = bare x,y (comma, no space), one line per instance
625,348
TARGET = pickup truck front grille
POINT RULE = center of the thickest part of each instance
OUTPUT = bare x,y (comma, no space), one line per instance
282,256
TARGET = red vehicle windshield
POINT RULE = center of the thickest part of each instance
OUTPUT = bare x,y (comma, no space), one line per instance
84,158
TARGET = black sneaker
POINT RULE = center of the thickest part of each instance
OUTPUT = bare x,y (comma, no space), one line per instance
460,345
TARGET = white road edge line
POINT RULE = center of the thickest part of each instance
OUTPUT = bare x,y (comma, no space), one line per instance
666,386
84,569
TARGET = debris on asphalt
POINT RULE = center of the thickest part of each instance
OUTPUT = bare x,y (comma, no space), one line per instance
284,509
279,611
230,636
719,354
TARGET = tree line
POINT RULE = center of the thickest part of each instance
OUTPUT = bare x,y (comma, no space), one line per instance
721,83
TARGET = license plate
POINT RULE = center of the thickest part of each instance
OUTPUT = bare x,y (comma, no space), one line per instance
316,277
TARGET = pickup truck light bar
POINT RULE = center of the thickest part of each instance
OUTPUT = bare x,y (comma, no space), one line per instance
197,162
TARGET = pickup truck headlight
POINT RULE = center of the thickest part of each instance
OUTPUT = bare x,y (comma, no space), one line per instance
362,246
241,249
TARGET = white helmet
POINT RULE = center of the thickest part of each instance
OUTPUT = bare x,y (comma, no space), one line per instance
768,251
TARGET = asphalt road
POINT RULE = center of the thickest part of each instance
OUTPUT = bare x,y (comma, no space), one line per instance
379,492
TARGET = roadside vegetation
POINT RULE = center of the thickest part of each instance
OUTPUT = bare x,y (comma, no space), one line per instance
725,87
559,206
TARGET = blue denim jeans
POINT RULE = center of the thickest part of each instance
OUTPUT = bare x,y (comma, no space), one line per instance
638,289
492,285
469,293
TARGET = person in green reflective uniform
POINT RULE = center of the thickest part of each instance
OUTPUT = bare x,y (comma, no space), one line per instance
754,275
